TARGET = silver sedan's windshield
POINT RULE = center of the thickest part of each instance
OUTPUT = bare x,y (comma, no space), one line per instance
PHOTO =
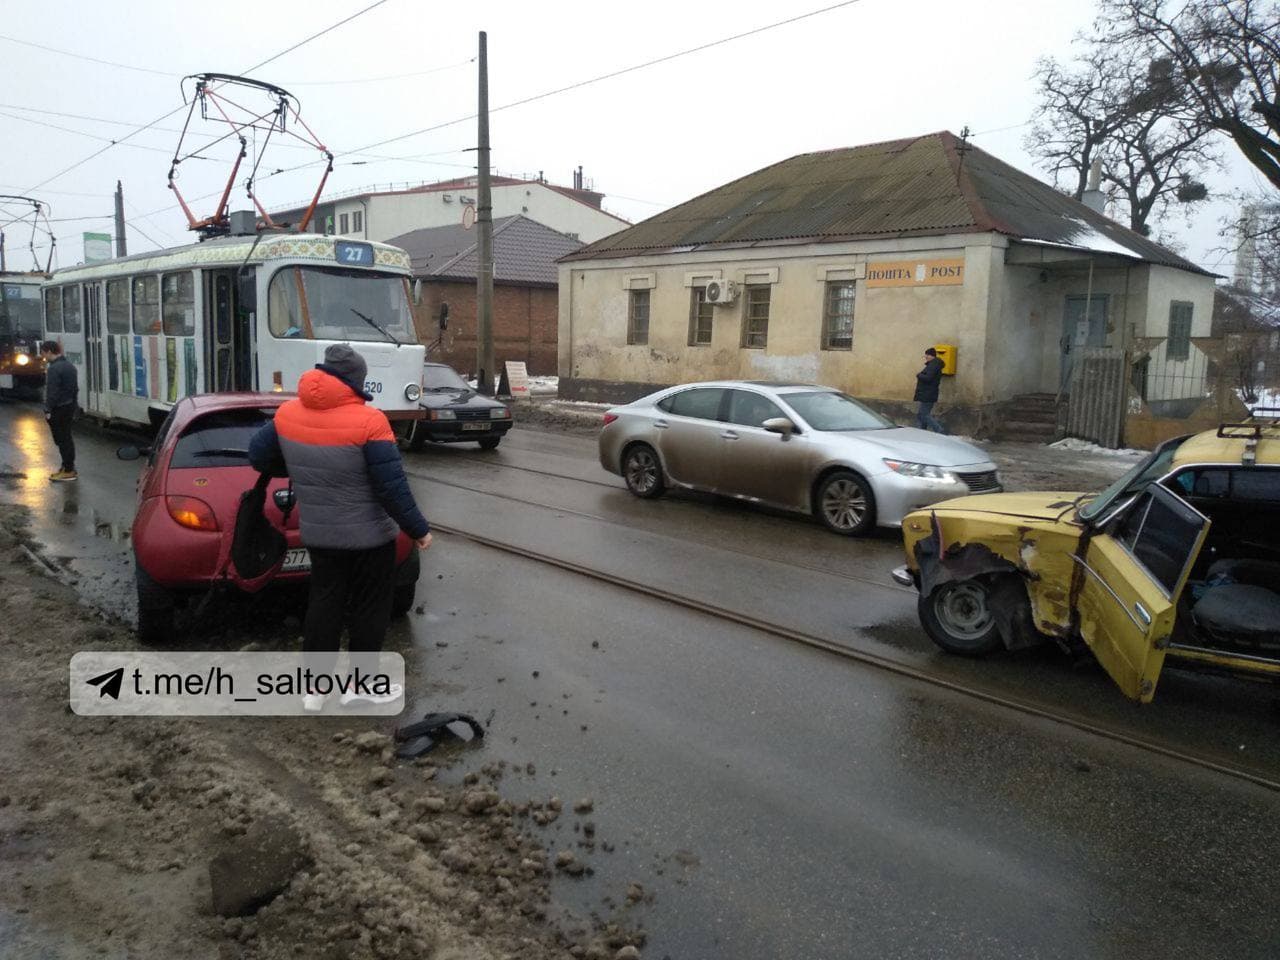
828,410
326,303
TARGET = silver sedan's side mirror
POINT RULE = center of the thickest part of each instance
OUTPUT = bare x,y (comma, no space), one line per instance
780,425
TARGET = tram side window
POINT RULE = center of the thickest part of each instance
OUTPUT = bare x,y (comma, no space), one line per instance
118,306
71,308
146,304
53,310
179,304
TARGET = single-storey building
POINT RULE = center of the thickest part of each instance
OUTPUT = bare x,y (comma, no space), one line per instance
525,312
840,267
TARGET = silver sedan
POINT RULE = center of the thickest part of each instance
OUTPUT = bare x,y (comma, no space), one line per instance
793,446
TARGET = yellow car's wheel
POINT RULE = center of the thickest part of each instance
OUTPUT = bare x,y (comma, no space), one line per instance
958,618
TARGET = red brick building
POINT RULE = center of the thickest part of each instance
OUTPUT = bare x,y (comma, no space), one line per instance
525,299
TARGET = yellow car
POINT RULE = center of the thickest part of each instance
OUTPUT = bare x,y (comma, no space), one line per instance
1178,559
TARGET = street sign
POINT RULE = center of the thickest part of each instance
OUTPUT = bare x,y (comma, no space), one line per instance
518,378
97,247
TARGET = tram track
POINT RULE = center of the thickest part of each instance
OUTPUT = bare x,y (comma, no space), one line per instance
867,658
884,585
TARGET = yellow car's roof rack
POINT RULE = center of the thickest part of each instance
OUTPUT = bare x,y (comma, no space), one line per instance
1263,424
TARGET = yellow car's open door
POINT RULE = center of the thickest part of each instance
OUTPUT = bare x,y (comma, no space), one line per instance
1131,573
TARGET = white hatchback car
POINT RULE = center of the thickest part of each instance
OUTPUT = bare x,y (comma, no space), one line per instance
793,446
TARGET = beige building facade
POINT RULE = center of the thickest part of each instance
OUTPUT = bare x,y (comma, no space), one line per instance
857,313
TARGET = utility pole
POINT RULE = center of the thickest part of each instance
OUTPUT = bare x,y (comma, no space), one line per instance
122,245
485,363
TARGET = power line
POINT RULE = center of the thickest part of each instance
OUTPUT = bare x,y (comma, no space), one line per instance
300,43
617,73
160,119
81,56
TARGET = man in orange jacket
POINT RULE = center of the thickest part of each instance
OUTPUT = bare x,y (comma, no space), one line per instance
353,496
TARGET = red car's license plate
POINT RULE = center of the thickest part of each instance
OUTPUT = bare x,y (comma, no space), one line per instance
295,560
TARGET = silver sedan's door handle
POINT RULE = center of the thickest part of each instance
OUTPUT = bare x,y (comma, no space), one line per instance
661,424
729,435
1142,613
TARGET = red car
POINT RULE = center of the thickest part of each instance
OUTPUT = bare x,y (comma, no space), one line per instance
196,469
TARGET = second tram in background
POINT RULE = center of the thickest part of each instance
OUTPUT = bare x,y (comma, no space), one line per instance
21,369
240,312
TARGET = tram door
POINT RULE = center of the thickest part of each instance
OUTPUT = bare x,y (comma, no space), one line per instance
93,360
229,354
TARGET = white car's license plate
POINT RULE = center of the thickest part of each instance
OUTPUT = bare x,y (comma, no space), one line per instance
295,560
476,426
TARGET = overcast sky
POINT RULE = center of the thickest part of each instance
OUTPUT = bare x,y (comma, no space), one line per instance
870,71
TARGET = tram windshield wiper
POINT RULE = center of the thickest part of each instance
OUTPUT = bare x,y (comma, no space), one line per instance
371,322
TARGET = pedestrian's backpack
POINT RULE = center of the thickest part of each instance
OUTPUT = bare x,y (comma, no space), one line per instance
257,547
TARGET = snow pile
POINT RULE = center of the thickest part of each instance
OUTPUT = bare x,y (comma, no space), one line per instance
1076,445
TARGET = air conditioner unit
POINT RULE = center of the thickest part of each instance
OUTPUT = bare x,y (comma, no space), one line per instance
721,291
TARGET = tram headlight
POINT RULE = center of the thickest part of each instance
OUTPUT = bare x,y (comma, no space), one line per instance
22,359
412,392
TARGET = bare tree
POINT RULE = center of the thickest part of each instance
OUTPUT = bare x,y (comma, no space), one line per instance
1215,59
1102,107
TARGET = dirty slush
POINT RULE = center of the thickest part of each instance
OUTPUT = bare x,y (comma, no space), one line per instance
160,838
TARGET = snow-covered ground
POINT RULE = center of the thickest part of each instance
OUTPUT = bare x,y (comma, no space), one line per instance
1084,446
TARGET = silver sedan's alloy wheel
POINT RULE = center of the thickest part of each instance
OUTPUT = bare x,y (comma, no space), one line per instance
844,504
641,471
962,610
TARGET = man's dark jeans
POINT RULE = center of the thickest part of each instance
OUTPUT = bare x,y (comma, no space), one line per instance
352,589
926,420
60,426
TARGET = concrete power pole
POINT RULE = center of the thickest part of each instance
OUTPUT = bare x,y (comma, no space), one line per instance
485,374
122,245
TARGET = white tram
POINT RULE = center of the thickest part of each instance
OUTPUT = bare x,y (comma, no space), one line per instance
231,314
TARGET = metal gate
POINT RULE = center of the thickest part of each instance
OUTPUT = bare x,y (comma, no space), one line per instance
1096,408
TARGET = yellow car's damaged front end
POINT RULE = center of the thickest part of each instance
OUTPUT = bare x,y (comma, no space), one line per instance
1133,574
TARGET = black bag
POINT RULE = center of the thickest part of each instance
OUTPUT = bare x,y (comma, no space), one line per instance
256,546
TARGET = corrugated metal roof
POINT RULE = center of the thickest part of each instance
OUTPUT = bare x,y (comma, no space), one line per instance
524,251
925,185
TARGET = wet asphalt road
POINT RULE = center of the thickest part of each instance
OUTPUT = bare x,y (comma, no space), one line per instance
781,801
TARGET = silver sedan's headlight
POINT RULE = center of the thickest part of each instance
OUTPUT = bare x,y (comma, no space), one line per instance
499,413
412,392
443,415
922,471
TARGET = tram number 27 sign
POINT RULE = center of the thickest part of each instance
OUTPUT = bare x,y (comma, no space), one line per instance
355,254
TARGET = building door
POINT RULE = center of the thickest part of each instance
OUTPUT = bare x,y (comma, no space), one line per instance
1084,324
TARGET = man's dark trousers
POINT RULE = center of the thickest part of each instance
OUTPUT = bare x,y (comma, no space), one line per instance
350,588
60,426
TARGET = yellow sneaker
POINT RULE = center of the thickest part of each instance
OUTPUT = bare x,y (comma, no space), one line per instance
63,476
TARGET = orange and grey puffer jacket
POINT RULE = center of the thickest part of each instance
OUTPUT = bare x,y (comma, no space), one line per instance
345,467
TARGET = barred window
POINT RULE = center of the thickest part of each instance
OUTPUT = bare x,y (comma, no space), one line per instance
1179,344
837,317
699,317
755,326
638,317
357,221
344,223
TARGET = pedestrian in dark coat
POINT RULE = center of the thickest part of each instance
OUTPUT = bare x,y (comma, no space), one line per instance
353,497
61,393
927,381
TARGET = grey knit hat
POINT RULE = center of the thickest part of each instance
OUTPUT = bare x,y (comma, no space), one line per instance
347,365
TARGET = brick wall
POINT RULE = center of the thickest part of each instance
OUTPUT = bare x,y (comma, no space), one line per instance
525,325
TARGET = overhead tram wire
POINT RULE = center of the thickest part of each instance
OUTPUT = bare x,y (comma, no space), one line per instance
584,83
82,56
179,109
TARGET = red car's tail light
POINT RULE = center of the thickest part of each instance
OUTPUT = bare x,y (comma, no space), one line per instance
609,418
191,513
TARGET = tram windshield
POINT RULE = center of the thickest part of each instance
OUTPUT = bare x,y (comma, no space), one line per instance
330,303
19,311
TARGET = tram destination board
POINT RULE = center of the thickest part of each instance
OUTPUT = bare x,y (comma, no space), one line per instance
353,254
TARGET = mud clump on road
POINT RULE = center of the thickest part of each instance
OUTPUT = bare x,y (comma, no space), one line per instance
247,838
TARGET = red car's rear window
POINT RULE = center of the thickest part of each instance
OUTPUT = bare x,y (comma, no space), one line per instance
219,439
